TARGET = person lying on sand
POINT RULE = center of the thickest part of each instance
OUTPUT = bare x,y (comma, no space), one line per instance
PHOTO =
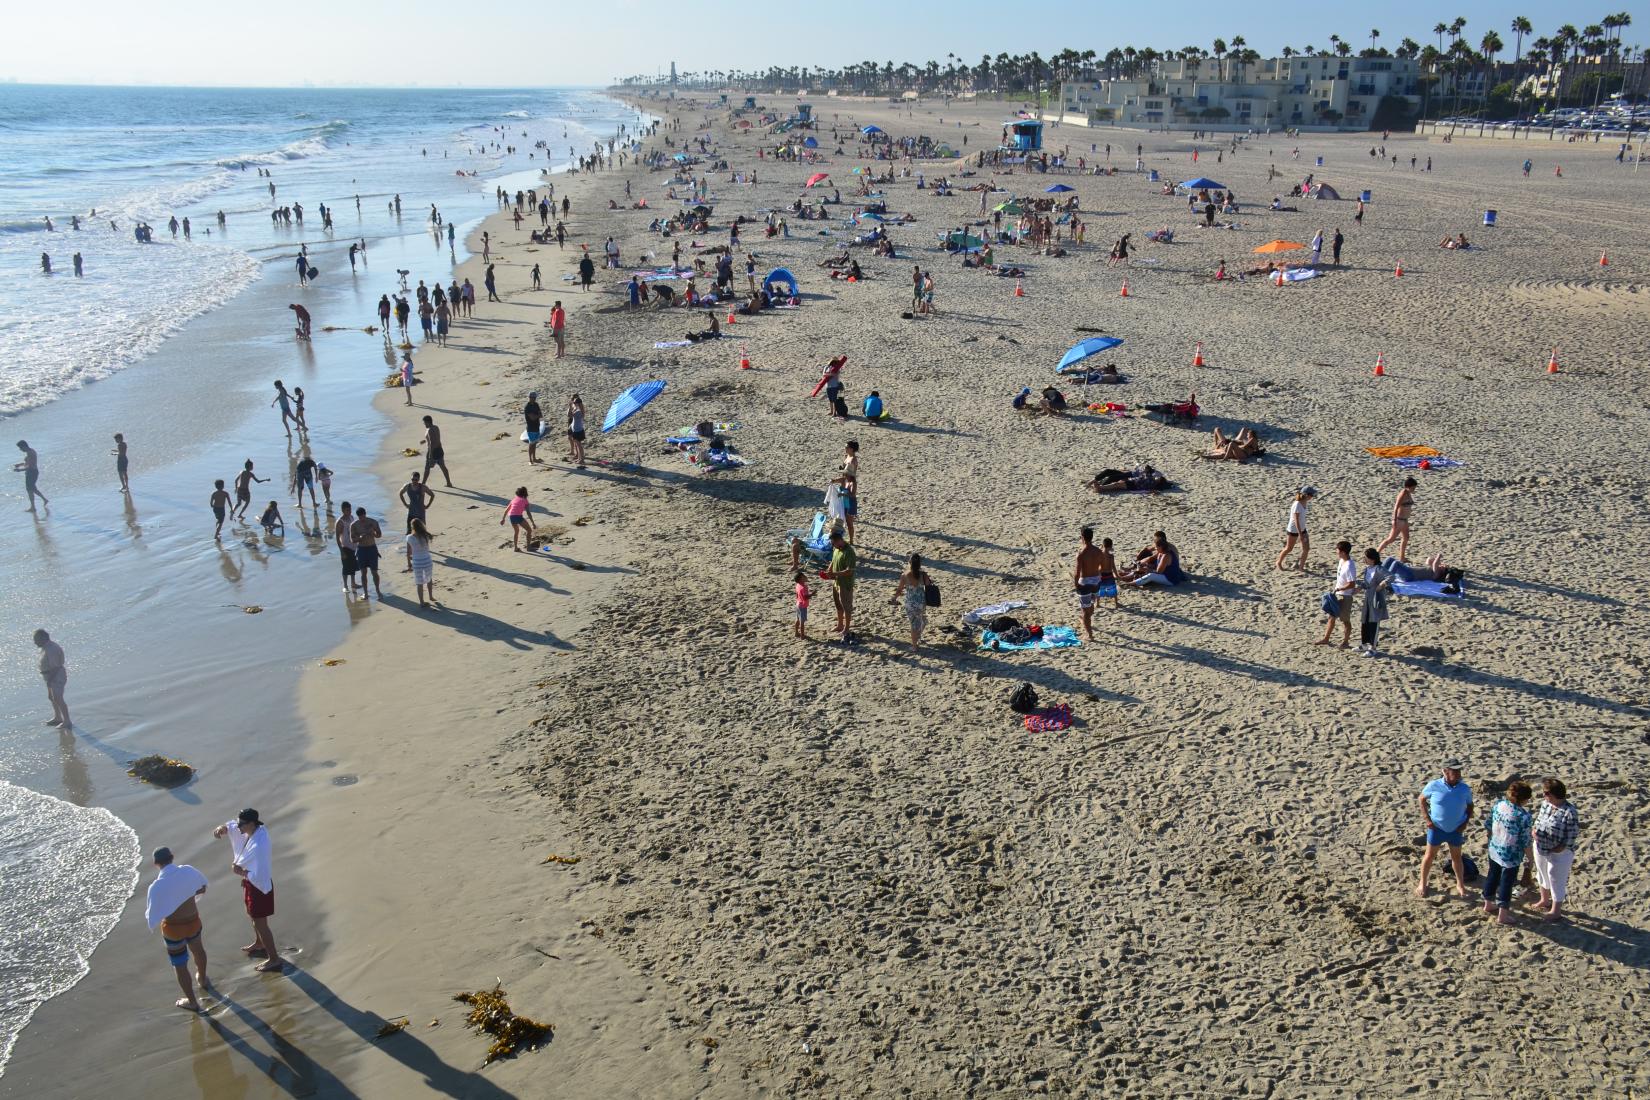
841,259
1141,479
1458,241
1238,448
1277,204
1433,570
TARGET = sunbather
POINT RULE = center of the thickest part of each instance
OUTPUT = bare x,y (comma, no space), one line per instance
1141,479
714,332
1458,241
1237,448
1433,570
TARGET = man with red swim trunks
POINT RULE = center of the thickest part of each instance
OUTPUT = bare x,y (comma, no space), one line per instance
250,841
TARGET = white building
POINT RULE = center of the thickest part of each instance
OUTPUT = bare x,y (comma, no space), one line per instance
1204,94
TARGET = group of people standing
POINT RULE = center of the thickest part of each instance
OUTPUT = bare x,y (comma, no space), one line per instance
1543,841
172,904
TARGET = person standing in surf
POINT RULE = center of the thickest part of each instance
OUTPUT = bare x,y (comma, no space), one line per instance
250,842
171,908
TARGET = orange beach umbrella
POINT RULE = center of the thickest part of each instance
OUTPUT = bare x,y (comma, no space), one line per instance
1280,246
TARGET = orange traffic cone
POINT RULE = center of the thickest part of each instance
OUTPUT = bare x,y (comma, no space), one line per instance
1197,358
1398,272
1380,365
744,358
1019,291
731,320
1124,293
1552,362
1604,259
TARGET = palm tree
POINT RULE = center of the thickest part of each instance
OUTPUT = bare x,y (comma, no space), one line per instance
1440,30
1374,33
1343,48
1408,48
1219,51
1520,27
1491,45
1238,53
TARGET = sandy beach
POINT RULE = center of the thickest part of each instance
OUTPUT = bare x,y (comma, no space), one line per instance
794,867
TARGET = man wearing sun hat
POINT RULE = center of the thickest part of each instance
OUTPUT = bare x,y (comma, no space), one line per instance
1446,807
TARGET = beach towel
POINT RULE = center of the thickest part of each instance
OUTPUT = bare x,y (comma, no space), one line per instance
1439,463
1054,637
1050,720
991,611
683,440
1404,452
252,853
1431,589
1300,275
177,884
672,344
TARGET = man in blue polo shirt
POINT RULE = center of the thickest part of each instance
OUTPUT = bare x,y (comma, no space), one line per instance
1446,807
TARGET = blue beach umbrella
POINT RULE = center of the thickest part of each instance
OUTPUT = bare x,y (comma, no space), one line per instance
871,130
1094,345
1057,189
631,402
1203,183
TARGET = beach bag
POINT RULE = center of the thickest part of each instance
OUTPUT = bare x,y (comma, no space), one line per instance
1331,604
1469,869
1023,700
931,594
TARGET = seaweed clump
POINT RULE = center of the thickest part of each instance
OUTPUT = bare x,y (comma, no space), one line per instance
490,1014
162,771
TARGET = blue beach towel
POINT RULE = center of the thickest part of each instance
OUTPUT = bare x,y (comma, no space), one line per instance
1054,637
1436,462
1431,589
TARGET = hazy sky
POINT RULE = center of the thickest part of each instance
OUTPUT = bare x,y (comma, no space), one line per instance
513,44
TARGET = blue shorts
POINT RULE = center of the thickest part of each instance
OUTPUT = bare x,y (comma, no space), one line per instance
1437,836
802,614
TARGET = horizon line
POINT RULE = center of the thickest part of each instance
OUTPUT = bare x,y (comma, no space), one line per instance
9,83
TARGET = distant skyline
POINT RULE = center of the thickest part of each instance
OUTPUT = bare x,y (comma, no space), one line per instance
427,44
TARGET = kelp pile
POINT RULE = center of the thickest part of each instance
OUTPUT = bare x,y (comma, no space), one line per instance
490,1014
162,771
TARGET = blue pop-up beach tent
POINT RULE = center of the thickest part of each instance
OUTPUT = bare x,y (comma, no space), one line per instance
1057,189
1202,183
871,130
781,275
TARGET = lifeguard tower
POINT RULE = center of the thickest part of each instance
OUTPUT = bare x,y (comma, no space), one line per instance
805,113
1022,136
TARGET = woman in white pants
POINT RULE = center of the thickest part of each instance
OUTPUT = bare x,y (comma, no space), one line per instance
1556,826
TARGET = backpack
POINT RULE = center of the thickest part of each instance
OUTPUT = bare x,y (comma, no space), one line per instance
1023,700
931,594
1002,623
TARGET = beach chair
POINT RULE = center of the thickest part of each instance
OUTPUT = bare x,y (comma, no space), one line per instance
816,542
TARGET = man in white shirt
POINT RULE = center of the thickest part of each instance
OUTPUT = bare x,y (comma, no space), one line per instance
250,842
171,908
1346,586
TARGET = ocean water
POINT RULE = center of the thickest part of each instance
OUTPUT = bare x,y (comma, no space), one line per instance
138,595
148,154
76,863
